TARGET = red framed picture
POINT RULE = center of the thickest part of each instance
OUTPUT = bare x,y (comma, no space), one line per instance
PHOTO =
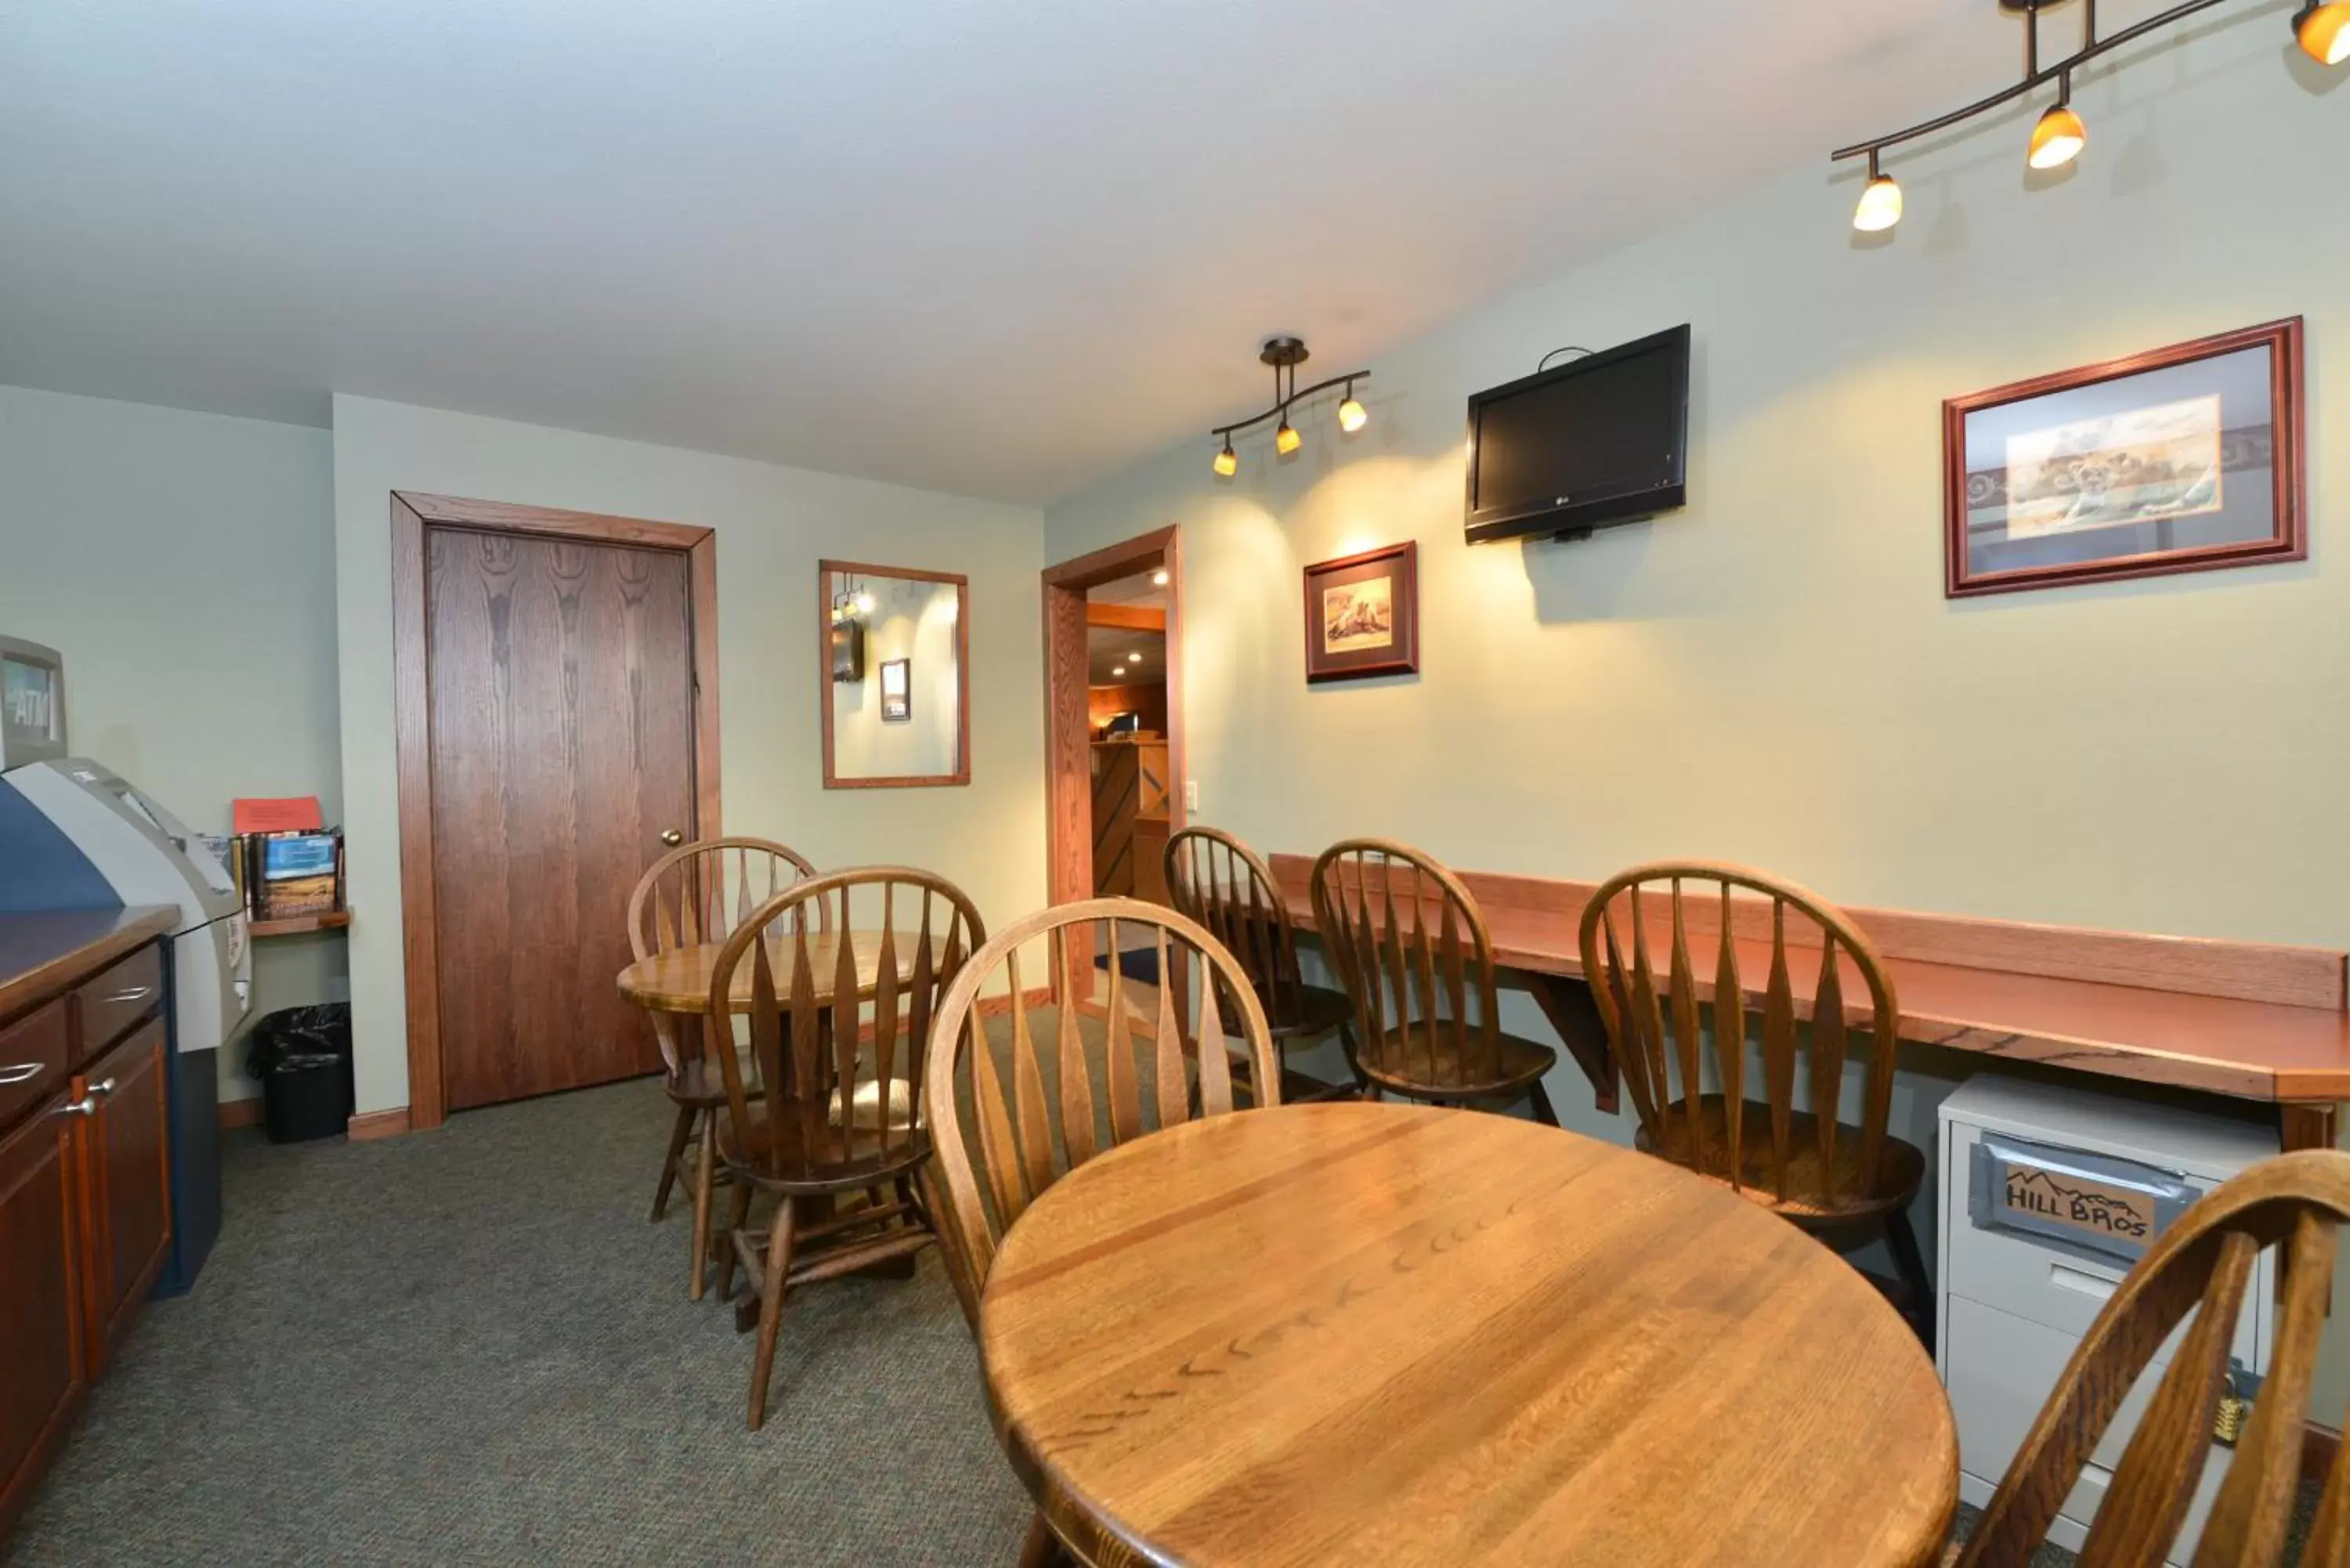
2186,459
1362,614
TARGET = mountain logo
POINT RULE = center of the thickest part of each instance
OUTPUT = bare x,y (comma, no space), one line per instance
2084,1205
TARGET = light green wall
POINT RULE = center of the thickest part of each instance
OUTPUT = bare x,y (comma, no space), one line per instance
773,524
1773,675
184,564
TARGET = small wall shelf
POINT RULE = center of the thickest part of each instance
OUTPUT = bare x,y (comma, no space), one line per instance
334,920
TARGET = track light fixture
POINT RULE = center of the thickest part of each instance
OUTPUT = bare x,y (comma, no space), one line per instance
2324,31
1288,354
2321,28
1881,201
2059,137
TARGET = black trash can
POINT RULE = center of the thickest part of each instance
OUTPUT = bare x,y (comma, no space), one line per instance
303,1057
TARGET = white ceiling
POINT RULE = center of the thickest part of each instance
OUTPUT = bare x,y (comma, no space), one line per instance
1000,247
1122,656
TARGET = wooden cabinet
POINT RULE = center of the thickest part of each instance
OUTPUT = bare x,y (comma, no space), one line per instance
43,1368
121,1142
85,1164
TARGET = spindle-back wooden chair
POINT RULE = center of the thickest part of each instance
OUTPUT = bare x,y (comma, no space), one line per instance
1829,1176
1219,881
1412,947
1028,1133
845,975
694,895
2202,1263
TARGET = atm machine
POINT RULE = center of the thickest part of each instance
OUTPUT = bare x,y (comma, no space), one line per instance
75,836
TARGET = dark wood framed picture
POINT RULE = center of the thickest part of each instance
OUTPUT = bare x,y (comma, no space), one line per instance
1362,614
897,690
2186,459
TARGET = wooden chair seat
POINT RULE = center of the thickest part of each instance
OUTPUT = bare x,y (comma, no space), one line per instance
1804,1195
1305,1010
1400,1062
752,1154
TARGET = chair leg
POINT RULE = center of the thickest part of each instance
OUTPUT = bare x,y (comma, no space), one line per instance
1911,1266
739,1205
678,1135
1043,1548
1363,1089
1543,1111
705,1175
771,1307
1911,1263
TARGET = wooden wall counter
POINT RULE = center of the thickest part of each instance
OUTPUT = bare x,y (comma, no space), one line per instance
2250,1021
43,953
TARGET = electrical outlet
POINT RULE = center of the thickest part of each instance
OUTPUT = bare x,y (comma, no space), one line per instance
1191,794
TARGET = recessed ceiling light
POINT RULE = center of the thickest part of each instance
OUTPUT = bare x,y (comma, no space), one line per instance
1158,577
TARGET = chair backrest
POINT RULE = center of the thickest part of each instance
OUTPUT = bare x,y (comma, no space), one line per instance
1657,1035
1410,946
1002,1134
697,893
2202,1263
1217,881
837,982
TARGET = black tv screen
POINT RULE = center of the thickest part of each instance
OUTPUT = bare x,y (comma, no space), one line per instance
1599,441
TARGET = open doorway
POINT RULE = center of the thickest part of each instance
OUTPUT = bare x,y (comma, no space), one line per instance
1113,717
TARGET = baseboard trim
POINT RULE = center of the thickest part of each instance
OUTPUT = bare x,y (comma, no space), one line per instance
378,1124
240,1112
2319,1445
1036,996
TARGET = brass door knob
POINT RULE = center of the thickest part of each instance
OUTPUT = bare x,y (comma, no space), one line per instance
672,837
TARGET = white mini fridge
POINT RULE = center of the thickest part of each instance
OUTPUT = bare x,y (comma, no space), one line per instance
2048,1194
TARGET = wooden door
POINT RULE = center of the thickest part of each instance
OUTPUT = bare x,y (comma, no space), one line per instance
41,1365
126,1176
560,676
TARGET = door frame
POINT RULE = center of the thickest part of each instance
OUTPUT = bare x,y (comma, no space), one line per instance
1068,772
411,514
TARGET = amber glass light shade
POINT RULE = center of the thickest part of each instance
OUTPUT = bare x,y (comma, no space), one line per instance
2324,31
1352,416
2058,139
1287,439
1880,205
1228,461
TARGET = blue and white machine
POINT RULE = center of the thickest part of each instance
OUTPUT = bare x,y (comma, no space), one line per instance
74,836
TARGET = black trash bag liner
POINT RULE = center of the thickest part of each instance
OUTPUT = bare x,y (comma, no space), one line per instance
300,1039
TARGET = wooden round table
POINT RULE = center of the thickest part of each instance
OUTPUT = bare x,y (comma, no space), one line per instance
678,981
1402,1334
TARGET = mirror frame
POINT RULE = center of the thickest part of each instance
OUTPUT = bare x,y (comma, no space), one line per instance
824,571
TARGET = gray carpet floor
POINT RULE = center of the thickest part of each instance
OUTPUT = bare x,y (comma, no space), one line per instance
468,1347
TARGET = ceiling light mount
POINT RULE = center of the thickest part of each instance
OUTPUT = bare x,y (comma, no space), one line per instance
2326,40
1285,354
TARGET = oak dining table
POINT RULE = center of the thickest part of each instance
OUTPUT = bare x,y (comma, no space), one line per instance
1374,1333
678,980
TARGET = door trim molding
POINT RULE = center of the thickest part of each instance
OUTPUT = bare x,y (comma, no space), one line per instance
1068,773
411,514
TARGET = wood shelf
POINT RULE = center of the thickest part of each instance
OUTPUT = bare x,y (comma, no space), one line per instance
334,920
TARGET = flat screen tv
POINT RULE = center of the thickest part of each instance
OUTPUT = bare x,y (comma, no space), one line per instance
1599,440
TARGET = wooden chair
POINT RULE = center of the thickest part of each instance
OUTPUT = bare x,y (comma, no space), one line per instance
1219,881
846,971
1828,1175
1427,1014
2202,1263
1028,1135
693,896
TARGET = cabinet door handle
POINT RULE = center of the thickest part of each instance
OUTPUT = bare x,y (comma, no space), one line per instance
18,1073
87,1106
136,994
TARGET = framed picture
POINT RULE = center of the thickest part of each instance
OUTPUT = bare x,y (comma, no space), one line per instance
897,690
1362,614
2183,459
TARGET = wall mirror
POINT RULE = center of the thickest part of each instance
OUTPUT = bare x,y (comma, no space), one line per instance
895,664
